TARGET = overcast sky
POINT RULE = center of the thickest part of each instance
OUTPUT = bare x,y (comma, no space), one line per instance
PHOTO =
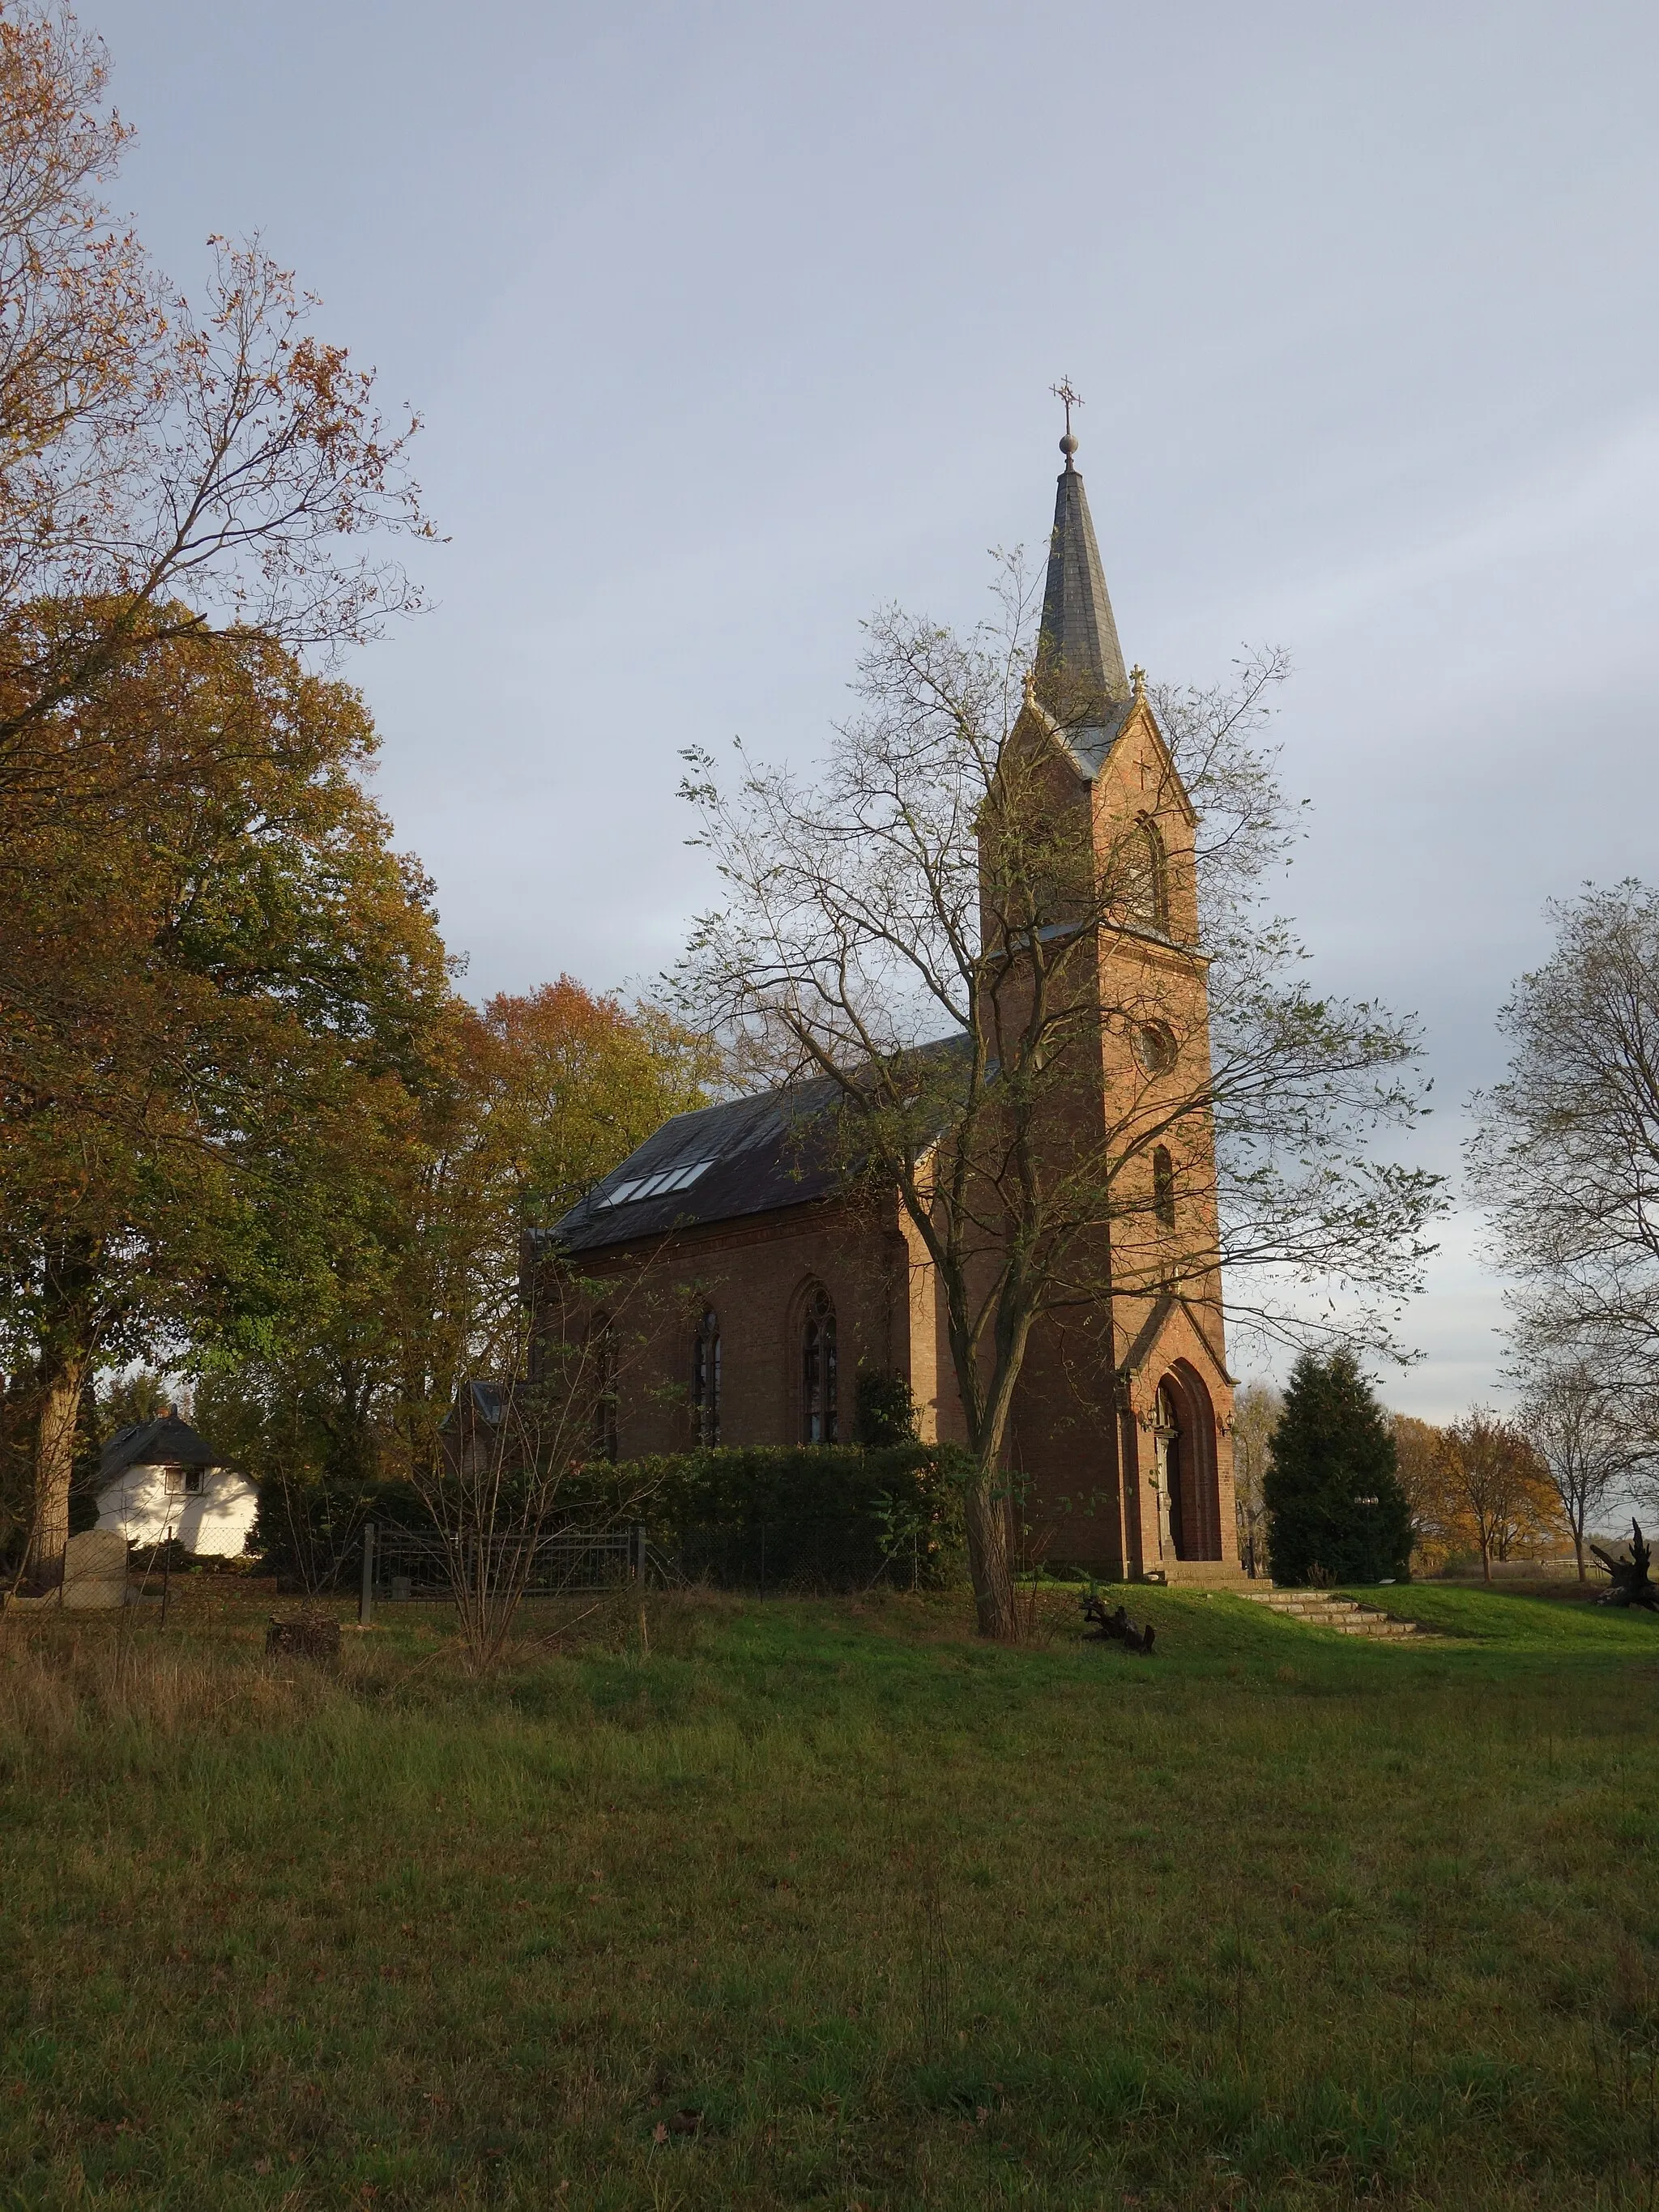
729,322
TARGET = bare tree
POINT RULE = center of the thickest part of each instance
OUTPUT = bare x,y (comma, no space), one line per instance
498,1474
941,878
1582,1431
164,467
1566,1154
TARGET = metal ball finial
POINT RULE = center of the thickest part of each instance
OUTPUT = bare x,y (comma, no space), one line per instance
1068,445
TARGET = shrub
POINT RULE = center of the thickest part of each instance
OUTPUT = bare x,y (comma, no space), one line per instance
814,1513
884,1412
307,1533
823,1514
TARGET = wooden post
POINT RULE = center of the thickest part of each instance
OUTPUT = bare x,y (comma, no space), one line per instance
366,1595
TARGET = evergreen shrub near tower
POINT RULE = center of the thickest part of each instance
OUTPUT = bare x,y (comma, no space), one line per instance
885,1412
1336,1511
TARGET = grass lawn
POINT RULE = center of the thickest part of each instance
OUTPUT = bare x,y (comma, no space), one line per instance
824,1904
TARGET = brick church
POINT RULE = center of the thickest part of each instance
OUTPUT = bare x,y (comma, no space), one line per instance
789,1277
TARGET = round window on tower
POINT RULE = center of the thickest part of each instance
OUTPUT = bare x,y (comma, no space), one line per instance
1155,1047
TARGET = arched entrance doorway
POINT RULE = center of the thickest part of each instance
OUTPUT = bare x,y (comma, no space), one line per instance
1184,1434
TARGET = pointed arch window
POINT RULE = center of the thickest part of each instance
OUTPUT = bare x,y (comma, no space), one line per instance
706,1379
1164,1199
602,1348
818,1375
1152,876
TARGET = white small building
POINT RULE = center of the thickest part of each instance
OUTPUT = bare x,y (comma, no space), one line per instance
159,1478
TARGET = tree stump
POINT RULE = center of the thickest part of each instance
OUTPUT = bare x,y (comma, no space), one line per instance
1632,1583
1118,1628
311,1636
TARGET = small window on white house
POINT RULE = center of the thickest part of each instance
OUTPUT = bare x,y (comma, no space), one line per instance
195,1481
172,1481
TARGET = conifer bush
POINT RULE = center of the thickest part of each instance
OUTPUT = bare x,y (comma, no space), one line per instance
1335,1507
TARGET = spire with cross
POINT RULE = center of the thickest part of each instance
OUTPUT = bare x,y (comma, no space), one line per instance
1078,649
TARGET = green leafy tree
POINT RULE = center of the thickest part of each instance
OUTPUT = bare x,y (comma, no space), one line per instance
1335,1506
526,1103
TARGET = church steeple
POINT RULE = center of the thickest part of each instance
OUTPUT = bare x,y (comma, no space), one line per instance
1079,660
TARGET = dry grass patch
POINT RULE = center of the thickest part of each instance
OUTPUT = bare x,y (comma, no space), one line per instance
826,1903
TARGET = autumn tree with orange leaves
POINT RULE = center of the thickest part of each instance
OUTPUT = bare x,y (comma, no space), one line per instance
223,1002
1499,1487
542,1096
217,984
166,468
1477,1485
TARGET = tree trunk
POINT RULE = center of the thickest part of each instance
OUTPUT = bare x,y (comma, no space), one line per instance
988,1564
54,1464
1578,1552
1485,1560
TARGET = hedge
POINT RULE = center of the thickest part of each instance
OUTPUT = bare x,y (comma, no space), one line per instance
808,1514
811,1514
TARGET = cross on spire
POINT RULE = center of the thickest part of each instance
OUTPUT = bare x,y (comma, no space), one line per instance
1068,399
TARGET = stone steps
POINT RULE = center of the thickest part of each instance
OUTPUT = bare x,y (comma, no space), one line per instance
1346,1616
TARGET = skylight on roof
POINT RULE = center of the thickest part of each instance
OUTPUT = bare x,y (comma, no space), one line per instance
653,1186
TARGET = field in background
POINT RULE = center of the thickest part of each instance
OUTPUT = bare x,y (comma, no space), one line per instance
824,1904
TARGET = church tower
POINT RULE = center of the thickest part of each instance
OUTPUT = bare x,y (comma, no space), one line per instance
1122,1428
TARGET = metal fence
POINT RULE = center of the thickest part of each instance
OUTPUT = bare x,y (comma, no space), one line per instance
799,1555
403,1566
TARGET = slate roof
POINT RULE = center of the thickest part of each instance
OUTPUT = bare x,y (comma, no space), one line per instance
1090,744
749,1156
1080,671
167,1442
485,1398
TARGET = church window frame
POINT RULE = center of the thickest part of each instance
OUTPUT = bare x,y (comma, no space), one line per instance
820,1369
602,1344
1151,901
1155,1047
706,1380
